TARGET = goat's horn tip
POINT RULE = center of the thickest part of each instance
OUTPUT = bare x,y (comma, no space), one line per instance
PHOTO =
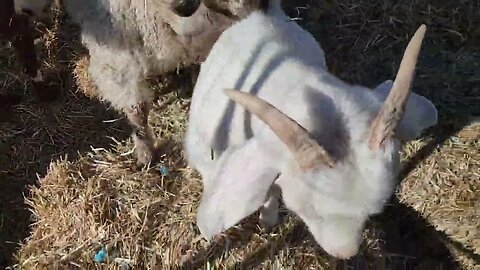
421,30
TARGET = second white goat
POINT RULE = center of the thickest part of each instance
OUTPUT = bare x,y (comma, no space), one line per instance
331,148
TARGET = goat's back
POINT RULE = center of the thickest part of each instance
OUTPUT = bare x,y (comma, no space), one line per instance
267,55
149,29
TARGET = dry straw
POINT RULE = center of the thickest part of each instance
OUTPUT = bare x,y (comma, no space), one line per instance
98,198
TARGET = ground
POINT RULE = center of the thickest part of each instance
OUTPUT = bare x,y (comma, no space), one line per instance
70,185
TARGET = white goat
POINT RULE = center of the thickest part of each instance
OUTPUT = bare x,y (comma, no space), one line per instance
328,146
131,40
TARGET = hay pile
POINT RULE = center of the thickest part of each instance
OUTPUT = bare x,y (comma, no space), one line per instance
445,188
103,199
143,219
33,133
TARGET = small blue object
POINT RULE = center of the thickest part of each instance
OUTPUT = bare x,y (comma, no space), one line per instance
101,256
164,170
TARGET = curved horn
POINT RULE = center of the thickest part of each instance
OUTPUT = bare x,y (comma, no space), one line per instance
308,153
392,111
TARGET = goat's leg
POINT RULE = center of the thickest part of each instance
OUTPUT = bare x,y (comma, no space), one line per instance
19,29
24,43
269,214
119,77
142,134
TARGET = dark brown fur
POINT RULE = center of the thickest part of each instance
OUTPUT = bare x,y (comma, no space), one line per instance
18,29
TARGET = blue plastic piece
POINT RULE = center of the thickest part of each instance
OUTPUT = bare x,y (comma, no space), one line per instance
164,170
101,256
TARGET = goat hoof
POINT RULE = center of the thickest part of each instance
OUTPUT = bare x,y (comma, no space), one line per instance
144,151
144,156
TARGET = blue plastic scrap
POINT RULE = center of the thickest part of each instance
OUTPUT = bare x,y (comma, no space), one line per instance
164,170
101,255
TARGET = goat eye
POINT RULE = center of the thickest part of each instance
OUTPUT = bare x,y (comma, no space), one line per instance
185,8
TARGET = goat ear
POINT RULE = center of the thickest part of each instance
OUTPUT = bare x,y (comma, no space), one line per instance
420,113
239,187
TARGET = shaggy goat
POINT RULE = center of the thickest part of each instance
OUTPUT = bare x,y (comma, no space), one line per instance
328,146
129,41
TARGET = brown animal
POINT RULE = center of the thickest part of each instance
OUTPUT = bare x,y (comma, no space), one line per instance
19,30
